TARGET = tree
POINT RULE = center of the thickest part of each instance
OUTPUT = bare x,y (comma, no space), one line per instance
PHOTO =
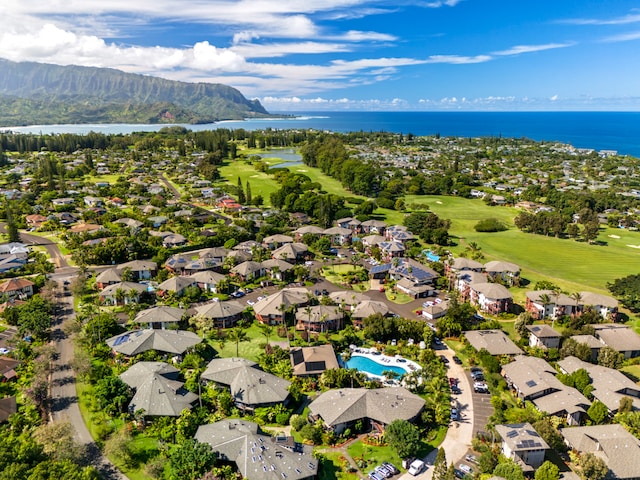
509,470
608,357
625,405
58,441
112,394
547,471
592,467
403,437
590,231
190,460
598,412
440,466
237,335
549,432
521,323
627,290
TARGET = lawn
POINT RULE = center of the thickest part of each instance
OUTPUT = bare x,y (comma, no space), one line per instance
374,455
261,183
633,372
574,266
333,466
250,349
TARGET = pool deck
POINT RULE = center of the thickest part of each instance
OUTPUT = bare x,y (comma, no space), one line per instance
374,355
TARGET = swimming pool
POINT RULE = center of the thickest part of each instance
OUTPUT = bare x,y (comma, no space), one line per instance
369,366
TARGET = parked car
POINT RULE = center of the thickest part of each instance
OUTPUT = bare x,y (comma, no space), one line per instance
4,351
466,469
392,467
457,360
455,415
416,467
383,471
471,458
458,473
480,387
455,390
373,475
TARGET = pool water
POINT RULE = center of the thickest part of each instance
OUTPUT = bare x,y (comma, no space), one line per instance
366,365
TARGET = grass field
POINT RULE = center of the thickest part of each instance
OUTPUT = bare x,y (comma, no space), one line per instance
261,183
250,349
574,266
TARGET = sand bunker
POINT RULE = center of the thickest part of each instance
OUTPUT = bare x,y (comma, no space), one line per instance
634,246
614,236
439,202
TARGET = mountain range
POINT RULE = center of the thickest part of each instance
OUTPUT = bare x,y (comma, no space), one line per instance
44,94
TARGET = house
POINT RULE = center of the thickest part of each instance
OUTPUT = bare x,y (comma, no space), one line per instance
132,223
619,337
35,220
291,252
492,298
319,318
502,272
349,298
258,456
609,385
350,223
122,293
543,336
274,241
373,226
277,269
176,286
247,271
158,391
208,281
135,342
273,308
91,201
372,240
313,361
414,271
496,342
433,311
18,287
341,408
85,228
108,277
522,444
250,387
309,229
8,368
612,443
533,379
157,221
62,202
221,314
415,290
160,316
548,304
228,204
8,406
392,249
461,264
365,309
338,235
140,269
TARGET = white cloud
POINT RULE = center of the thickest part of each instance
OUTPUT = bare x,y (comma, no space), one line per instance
623,20
458,59
554,98
623,37
519,49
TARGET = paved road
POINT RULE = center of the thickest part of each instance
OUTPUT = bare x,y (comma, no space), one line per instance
64,399
52,249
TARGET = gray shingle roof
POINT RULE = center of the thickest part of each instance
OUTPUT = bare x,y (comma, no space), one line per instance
230,308
495,342
160,314
383,405
134,342
257,456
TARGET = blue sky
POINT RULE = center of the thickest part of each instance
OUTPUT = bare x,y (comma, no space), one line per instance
307,55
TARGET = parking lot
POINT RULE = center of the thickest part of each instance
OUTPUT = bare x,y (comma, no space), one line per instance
482,408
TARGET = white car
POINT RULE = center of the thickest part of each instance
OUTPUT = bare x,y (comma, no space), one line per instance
4,351
466,469
251,303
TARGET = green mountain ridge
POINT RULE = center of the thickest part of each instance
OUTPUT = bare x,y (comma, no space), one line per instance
37,93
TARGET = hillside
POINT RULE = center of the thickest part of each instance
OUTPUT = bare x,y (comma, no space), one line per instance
37,93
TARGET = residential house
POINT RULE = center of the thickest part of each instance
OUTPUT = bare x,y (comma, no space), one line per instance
502,272
273,308
548,304
159,316
461,264
320,318
433,311
373,226
8,368
250,387
291,252
533,379
208,280
341,408
619,449
176,286
391,249
122,293
338,235
414,271
158,391
222,314
135,342
592,342
543,336
313,361
522,444
365,309
348,298
258,456
619,337
62,202
415,290
309,229
140,269
277,269
18,287
132,223
157,221
496,342
85,228
490,297
247,271
108,277
274,241
609,385
372,240
349,223
35,220
91,201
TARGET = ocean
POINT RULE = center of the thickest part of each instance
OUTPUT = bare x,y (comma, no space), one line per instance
618,131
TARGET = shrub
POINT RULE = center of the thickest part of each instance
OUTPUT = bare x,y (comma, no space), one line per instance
490,225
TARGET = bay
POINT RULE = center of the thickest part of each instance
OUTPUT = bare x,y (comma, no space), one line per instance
618,131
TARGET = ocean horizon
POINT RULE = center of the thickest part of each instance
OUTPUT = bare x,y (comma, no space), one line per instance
619,131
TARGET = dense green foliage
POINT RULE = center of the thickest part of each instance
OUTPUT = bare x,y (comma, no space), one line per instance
627,290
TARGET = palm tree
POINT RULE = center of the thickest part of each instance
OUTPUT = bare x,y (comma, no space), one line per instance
119,296
556,293
266,330
577,297
546,300
238,335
